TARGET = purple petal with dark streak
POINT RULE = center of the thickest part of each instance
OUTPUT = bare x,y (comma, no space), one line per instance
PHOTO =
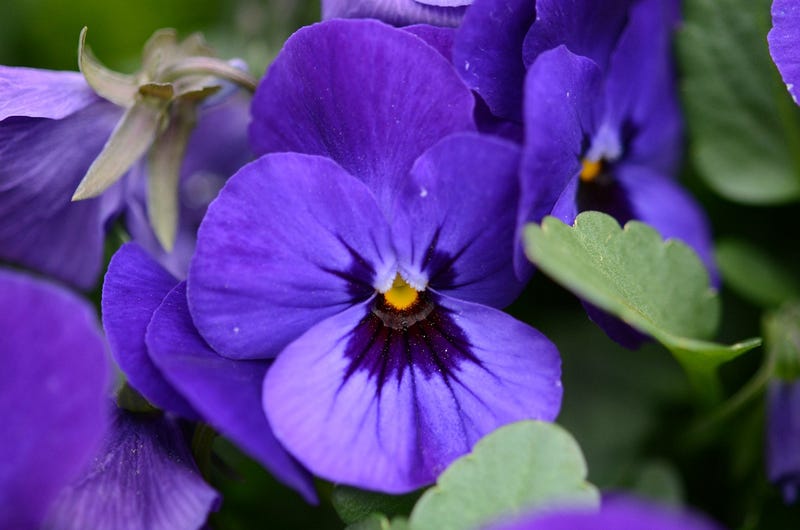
784,43
398,12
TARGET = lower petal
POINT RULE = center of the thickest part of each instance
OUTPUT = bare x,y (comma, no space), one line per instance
361,403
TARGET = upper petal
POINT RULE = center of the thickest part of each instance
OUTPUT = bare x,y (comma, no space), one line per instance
488,53
41,163
227,393
144,476
134,287
371,97
35,93
388,409
398,12
454,219
54,378
784,39
291,240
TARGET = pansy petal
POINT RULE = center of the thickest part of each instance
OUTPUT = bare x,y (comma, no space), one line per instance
386,409
561,111
291,240
440,38
641,96
41,163
371,97
488,53
54,378
587,27
227,393
35,93
134,287
455,219
663,204
783,43
783,437
143,477
398,12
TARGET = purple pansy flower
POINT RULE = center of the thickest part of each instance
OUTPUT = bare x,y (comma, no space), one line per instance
54,378
370,261
144,476
616,513
784,43
52,127
783,436
152,337
446,13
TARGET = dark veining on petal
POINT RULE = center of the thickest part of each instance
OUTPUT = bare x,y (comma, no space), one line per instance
386,342
359,275
605,194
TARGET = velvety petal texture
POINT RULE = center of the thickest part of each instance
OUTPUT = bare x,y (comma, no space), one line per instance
227,393
616,513
291,240
142,477
454,220
54,377
784,43
34,93
134,287
41,163
370,97
388,409
783,437
398,12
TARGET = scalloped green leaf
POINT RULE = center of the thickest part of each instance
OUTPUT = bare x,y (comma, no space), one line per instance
744,126
661,288
518,468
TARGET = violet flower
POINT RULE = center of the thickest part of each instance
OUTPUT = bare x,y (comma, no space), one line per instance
371,260
54,378
616,513
52,129
784,43
783,437
144,476
446,13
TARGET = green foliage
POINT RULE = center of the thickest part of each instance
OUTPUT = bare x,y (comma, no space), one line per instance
782,334
518,468
744,126
754,274
378,521
660,288
354,505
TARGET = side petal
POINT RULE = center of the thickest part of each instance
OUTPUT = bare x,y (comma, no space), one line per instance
783,437
35,93
783,43
54,376
588,28
226,393
134,287
488,53
371,97
455,218
291,240
398,12
440,38
561,110
144,476
385,409
41,162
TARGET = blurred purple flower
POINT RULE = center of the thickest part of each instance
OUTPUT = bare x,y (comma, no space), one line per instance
783,437
52,127
54,379
616,513
784,43
399,12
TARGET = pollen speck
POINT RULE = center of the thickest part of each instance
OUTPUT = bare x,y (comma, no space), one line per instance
590,169
401,296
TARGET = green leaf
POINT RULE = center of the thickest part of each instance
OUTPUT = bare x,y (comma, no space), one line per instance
660,288
518,468
755,275
782,333
380,522
354,505
744,126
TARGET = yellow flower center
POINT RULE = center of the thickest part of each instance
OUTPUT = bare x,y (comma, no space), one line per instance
590,169
401,296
